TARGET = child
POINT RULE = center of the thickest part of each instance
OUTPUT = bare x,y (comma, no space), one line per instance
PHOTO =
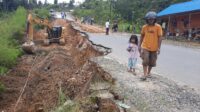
133,53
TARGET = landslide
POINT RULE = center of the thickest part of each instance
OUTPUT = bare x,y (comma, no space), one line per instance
51,69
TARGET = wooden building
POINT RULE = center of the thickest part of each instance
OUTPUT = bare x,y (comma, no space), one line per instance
182,19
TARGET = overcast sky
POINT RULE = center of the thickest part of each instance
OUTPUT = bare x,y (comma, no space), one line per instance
60,1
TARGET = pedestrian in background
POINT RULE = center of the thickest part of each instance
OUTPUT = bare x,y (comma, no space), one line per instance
150,43
82,20
62,15
115,26
65,16
107,24
133,53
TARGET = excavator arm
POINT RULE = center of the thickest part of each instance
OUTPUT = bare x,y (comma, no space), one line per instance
31,20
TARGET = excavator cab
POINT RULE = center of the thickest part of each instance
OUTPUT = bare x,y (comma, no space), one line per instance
56,32
55,35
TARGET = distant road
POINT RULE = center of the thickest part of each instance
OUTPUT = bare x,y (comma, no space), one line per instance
68,16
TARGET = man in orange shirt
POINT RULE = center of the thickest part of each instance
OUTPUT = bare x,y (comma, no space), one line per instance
150,43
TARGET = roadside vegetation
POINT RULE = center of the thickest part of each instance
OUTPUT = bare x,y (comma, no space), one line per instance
12,31
2,88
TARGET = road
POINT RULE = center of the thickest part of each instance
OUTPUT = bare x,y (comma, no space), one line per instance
68,16
178,63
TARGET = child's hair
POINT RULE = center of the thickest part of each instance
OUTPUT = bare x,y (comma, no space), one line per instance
135,38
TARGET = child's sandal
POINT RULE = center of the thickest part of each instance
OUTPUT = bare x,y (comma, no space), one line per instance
134,73
129,71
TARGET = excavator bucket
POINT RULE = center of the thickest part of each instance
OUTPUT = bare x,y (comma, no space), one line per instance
29,47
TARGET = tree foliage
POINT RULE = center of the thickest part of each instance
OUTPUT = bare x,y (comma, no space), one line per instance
98,9
71,3
127,10
11,5
136,9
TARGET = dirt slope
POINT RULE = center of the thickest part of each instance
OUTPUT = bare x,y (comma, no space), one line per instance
53,68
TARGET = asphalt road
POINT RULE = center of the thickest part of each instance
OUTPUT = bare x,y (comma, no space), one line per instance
178,63
68,16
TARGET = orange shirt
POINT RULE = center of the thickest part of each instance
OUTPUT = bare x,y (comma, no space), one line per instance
151,37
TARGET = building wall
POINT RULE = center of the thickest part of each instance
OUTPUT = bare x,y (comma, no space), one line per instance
177,22
195,20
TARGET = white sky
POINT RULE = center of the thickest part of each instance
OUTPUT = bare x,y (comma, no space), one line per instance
61,1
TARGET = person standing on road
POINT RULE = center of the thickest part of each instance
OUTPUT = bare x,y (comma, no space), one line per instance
82,20
61,13
133,53
65,16
115,26
150,43
107,27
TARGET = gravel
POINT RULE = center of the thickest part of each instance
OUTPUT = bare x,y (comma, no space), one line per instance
157,94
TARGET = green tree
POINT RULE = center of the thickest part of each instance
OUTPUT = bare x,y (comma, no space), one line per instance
39,3
71,3
98,9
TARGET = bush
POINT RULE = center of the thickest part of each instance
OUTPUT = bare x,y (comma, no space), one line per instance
10,28
123,27
3,70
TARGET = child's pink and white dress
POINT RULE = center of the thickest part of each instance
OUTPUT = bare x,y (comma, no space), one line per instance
133,55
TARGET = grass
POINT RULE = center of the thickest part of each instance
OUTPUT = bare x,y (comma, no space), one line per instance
69,107
12,31
3,70
62,98
73,107
2,88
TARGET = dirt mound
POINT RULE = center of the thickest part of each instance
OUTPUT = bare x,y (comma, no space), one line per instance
14,82
91,28
56,71
53,69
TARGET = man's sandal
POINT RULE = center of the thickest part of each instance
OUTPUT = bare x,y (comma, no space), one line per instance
143,78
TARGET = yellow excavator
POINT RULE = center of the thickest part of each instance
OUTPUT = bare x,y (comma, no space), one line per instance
54,34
